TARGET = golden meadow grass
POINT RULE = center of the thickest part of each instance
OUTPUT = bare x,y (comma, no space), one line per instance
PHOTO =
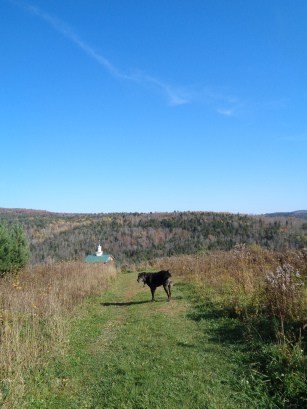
266,292
34,306
239,279
33,315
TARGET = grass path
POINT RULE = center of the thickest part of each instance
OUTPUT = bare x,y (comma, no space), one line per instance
129,353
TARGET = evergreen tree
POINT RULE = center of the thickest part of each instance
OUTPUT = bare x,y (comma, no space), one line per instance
5,250
20,254
14,250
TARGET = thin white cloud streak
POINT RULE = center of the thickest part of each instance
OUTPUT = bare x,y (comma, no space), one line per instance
172,95
222,103
62,28
226,112
175,96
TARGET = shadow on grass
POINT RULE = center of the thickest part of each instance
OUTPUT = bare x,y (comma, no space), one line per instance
225,326
123,304
228,332
219,323
129,303
185,345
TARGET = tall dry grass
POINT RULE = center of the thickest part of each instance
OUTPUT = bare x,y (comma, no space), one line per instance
33,317
263,294
241,279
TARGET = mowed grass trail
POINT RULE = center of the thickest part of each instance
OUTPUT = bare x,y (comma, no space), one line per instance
126,352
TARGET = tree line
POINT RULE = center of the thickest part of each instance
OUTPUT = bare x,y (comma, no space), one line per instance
143,236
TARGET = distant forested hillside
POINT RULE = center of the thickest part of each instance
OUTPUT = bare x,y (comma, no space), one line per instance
143,236
298,214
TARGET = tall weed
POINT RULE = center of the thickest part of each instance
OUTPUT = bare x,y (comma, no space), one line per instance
266,291
33,311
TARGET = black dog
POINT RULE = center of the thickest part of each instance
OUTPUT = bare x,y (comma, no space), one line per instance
154,280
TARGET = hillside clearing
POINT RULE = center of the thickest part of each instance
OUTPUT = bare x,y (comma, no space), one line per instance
126,352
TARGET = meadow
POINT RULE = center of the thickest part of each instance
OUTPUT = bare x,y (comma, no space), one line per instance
264,292
34,306
83,335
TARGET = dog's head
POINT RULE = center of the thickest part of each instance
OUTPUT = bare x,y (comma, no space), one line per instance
141,278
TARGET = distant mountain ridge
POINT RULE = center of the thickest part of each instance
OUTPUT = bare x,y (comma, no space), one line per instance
301,214
37,212
22,211
135,237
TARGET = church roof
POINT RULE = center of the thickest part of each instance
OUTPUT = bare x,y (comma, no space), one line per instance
98,259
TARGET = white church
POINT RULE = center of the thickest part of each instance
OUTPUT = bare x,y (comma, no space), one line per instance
99,256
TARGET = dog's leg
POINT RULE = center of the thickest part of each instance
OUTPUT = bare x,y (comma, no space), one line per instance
165,286
167,289
153,289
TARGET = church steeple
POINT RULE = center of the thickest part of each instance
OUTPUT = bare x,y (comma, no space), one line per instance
99,256
99,252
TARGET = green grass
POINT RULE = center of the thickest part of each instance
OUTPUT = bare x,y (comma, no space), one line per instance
128,353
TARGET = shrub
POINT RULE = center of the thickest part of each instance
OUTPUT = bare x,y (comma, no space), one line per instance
14,250
284,292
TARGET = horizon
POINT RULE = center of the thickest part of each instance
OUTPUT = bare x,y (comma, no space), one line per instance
43,211
151,107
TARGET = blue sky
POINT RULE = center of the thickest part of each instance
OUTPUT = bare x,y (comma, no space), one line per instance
133,105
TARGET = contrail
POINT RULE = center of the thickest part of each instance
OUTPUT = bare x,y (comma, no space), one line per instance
172,95
63,28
